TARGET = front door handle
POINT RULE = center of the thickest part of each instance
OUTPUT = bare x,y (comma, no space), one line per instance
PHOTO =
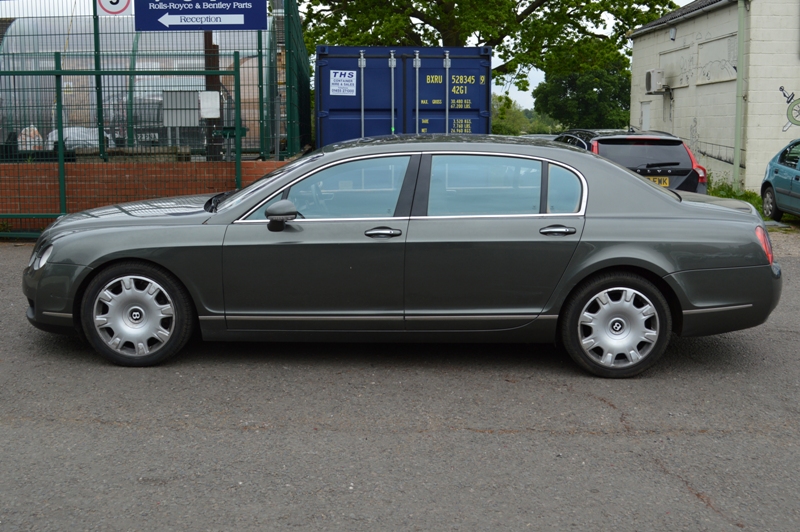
383,232
557,230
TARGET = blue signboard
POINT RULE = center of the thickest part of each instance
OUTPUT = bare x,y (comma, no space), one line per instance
178,15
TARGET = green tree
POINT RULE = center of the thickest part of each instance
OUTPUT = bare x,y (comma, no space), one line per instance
541,123
524,34
508,118
596,96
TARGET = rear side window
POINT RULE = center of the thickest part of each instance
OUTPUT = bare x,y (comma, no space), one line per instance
639,153
563,191
790,155
484,185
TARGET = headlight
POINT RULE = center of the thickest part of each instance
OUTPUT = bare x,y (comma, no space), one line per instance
43,257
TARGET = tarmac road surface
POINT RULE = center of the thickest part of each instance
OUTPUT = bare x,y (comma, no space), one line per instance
399,437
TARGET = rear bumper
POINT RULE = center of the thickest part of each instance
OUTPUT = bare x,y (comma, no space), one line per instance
724,300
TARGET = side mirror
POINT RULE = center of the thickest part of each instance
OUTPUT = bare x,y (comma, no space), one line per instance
279,213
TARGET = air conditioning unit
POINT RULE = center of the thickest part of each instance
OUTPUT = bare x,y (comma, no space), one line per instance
654,81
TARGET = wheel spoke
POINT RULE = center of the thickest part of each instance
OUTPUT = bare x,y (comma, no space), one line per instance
134,315
618,327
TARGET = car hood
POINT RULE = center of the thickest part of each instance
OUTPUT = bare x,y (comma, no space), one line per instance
179,210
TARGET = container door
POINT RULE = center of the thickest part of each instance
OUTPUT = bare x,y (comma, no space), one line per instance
455,100
339,96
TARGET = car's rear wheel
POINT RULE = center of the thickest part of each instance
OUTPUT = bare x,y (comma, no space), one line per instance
771,209
136,314
616,325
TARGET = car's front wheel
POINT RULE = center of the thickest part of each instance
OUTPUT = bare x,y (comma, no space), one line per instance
616,325
770,205
136,314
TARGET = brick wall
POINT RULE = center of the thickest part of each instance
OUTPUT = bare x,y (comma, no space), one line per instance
27,188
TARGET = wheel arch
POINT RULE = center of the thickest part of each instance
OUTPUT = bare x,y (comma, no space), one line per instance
77,301
666,290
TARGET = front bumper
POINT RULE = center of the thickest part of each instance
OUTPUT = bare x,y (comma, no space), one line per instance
51,292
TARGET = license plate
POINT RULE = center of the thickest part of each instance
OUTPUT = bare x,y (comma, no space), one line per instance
662,181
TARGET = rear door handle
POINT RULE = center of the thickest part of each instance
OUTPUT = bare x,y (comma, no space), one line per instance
557,230
383,232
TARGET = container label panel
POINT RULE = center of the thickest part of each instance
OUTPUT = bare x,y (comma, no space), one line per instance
343,83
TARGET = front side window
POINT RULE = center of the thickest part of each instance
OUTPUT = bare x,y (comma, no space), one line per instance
367,188
484,185
790,155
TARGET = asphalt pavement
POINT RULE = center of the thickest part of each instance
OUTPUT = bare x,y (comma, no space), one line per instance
243,436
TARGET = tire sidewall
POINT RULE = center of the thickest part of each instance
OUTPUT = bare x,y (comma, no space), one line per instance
182,310
589,290
770,203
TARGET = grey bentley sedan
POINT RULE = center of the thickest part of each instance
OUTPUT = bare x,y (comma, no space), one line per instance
423,239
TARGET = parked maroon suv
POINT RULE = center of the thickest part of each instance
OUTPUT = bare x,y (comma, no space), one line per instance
660,157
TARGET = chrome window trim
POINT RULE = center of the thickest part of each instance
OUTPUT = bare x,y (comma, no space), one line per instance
581,212
328,220
243,218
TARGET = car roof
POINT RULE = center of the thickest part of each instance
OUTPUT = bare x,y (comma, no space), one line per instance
590,134
441,139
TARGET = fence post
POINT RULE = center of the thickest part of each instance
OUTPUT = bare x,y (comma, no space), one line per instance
98,83
261,121
62,180
237,120
131,84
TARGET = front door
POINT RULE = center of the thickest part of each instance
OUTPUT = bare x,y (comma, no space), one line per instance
339,266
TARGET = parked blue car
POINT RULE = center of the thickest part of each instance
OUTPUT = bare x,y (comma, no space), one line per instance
780,190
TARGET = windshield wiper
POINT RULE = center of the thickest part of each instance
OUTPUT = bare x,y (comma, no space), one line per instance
214,201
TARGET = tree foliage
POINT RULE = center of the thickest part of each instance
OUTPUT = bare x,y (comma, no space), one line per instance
508,118
595,97
524,34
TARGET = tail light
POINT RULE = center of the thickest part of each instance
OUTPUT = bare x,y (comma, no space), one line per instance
594,147
702,175
766,245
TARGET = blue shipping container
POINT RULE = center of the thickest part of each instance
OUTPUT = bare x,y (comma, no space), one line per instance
369,91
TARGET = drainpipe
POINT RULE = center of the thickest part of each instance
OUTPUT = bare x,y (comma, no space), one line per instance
738,133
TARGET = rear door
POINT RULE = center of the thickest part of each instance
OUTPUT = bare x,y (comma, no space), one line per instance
488,240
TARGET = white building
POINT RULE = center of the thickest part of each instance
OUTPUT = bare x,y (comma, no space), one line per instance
696,47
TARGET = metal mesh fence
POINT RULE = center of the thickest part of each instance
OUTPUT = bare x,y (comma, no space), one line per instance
141,114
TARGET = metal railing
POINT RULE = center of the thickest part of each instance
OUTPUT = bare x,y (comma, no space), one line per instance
93,112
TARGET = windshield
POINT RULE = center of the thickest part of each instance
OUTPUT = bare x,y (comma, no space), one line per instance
257,186
645,153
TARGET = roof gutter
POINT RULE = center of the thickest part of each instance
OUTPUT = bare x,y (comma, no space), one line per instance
676,20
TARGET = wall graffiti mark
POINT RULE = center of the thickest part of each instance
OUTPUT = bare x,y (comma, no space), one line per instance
792,111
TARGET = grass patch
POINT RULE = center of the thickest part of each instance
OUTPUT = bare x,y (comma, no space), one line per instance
723,189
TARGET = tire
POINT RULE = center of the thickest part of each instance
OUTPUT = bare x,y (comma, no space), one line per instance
136,314
616,325
770,205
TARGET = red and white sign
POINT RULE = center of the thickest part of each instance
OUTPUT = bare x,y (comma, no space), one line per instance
106,8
